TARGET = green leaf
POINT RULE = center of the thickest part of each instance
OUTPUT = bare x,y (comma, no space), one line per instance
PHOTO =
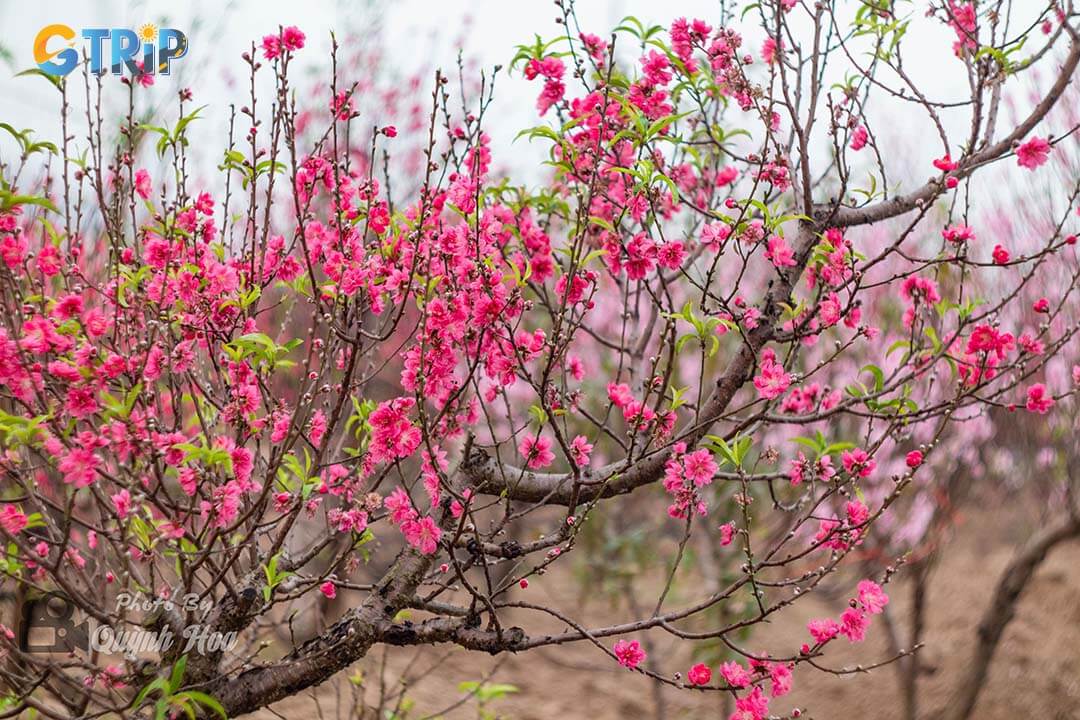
208,701
176,677
56,80
9,200
879,376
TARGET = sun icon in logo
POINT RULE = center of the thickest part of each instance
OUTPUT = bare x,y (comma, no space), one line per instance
148,32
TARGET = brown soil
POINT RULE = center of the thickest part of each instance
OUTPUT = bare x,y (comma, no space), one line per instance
1035,674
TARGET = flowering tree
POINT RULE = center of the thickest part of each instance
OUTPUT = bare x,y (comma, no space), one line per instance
979,465
300,386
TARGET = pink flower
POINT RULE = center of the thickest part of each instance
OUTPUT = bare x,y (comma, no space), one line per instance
735,674
422,534
853,624
13,248
629,653
920,290
858,462
986,338
773,381
872,598
292,38
317,428
145,79
1042,305
282,500
914,459
945,164
80,402
271,45
580,448
1038,400
958,234
769,50
224,506
204,204
657,68
39,335
79,467
143,184
282,422
122,503
857,513
779,252
620,394
700,467
670,255
963,20
754,706
551,69
49,261
1033,153
700,674
823,630
859,138
189,480
1001,255
392,434
537,451
727,533
13,521
780,675
328,589
242,465
400,506
713,235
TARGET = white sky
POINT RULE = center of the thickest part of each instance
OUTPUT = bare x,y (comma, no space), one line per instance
415,32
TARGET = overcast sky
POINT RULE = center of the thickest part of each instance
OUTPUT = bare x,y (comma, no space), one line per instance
414,33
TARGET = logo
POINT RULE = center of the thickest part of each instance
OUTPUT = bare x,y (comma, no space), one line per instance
50,627
148,51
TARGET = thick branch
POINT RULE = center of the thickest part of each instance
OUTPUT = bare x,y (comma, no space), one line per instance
321,658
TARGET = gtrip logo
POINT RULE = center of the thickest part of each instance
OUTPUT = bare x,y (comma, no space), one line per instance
148,51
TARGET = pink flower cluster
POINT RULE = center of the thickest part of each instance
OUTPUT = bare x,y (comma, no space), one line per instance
288,40
423,533
772,380
684,475
855,620
551,69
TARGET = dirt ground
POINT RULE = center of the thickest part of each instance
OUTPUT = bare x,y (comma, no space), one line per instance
1035,674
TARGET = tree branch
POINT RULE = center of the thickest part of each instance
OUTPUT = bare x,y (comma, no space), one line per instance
848,217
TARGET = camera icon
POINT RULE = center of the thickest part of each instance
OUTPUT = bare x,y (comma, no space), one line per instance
49,625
